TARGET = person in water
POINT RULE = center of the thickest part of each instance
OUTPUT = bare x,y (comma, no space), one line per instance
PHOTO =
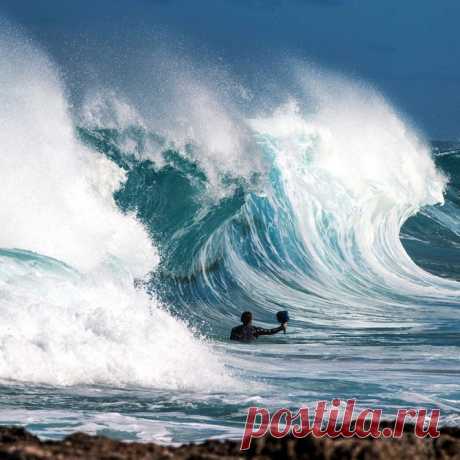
248,333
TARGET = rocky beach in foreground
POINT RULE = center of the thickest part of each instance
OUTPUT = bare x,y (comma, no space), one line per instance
18,444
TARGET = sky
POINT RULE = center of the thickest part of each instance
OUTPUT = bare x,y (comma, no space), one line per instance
409,49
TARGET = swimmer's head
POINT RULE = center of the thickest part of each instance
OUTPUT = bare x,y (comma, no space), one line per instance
246,317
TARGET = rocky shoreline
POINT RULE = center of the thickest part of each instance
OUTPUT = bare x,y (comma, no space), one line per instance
18,444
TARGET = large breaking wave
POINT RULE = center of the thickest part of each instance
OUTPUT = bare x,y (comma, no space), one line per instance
314,228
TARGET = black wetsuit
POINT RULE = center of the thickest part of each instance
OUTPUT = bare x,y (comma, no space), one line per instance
249,332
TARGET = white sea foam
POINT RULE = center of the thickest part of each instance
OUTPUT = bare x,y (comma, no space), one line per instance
69,311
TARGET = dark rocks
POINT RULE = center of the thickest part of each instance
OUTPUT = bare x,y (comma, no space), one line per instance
17,444
15,434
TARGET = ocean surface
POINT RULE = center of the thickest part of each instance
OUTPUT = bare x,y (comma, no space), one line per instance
128,251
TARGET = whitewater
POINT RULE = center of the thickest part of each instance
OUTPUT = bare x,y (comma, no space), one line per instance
130,246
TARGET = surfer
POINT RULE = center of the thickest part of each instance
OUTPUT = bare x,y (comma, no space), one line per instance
246,332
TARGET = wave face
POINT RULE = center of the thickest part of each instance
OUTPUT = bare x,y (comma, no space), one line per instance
317,230
128,251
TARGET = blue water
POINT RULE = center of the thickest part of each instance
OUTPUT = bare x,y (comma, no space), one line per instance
128,252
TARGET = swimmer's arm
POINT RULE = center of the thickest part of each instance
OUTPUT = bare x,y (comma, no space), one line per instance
261,331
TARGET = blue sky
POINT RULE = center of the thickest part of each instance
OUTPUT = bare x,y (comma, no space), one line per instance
409,49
